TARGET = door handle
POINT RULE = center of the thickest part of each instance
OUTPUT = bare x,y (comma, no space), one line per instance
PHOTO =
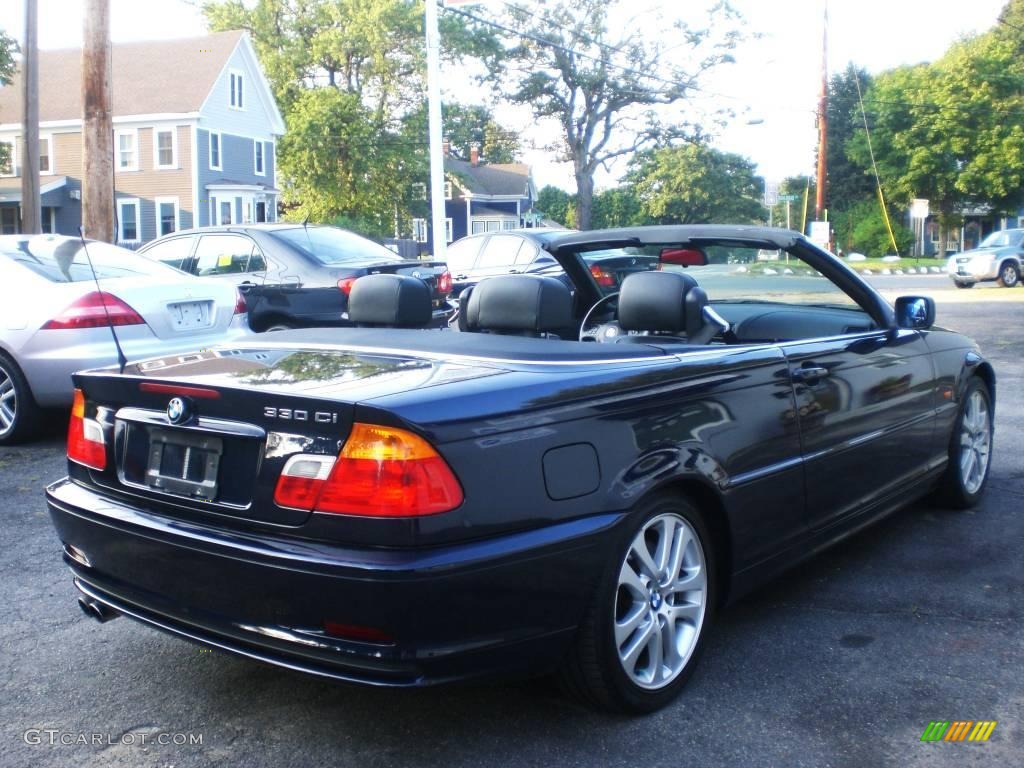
809,373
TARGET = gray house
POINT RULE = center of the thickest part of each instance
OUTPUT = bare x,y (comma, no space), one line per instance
195,135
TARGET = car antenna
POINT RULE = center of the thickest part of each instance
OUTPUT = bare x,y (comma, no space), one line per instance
121,359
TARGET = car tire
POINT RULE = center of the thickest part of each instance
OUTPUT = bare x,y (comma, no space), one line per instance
958,284
278,326
1009,275
19,414
970,446
632,617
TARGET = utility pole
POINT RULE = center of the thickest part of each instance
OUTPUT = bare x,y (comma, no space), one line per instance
31,214
819,198
437,202
97,126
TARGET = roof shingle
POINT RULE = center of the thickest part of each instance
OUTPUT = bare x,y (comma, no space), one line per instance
153,77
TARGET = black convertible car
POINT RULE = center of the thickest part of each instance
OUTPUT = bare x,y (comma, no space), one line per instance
567,482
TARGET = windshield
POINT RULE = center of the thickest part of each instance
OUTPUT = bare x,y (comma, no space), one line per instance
64,260
732,274
1000,239
330,245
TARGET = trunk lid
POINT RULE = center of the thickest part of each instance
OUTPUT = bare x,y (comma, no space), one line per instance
247,411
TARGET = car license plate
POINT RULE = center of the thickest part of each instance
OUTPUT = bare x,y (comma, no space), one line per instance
183,464
189,315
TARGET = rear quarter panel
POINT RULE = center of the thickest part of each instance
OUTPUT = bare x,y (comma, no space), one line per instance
717,419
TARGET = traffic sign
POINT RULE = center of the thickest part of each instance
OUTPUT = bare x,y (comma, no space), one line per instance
788,198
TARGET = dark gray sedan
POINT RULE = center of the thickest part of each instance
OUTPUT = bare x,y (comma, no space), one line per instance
293,276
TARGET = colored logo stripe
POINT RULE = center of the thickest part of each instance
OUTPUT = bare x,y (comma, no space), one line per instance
958,730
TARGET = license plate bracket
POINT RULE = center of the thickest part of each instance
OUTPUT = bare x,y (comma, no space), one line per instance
184,464
188,315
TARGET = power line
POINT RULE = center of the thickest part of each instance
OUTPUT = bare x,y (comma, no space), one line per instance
557,46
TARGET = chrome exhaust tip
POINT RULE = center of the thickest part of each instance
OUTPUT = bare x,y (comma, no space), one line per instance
97,610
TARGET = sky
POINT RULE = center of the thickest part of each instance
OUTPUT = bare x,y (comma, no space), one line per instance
772,87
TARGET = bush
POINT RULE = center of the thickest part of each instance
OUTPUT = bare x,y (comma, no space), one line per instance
863,229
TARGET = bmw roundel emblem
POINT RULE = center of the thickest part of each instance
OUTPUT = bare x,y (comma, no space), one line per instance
177,410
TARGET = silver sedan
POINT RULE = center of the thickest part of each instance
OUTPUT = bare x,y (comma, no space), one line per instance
54,321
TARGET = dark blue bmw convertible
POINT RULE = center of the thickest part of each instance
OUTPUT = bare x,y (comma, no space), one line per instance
567,480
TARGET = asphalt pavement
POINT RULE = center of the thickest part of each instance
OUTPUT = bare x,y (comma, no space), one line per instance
843,661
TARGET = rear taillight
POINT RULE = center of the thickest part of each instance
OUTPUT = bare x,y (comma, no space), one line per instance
345,285
604,278
88,312
85,437
301,481
444,283
240,306
380,472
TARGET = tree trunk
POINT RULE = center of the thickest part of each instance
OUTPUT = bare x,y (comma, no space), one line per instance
584,198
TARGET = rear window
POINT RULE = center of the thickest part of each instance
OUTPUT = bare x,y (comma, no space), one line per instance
461,255
63,260
329,245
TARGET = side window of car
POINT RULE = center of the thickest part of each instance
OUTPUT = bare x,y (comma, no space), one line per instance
501,251
171,252
222,255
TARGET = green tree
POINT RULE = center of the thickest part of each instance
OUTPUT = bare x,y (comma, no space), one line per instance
556,204
849,182
465,125
603,82
697,184
8,48
862,228
348,76
617,207
951,131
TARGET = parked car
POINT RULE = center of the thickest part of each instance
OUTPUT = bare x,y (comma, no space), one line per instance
522,251
573,487
293,276
54,321
999,257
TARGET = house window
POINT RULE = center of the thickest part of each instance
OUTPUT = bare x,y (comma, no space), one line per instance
479,227
237,90
127,150
215,151
166,215
448,231
10,219
128,220
419,190
508,224
259,149
46,155
225,212
261,211
419,230
165,148
447,190
8,161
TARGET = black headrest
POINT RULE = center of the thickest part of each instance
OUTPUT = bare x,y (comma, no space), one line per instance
519,303
661,301
392,300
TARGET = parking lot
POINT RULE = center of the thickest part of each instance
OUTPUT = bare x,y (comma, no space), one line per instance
842,662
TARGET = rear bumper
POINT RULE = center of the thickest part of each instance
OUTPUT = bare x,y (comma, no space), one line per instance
508,604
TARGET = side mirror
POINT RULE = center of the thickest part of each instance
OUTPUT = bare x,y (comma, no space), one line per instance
915,312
